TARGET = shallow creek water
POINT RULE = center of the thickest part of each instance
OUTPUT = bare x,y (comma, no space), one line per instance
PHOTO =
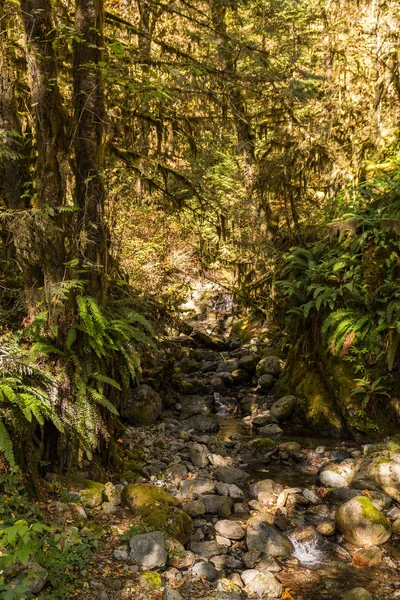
323,573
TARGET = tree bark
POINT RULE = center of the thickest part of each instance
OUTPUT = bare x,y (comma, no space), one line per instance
89,144
52,147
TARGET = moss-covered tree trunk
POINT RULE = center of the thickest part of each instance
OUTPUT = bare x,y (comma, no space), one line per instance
52,165
89,143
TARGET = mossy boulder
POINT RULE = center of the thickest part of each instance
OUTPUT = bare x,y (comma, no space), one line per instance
90,492
262,447
194,387
150,581
159,509
379,472
143,407
361,523
270,365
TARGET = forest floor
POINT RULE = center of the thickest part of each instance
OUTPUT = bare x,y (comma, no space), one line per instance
263,495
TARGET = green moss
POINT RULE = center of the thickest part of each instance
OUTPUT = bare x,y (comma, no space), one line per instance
158,509
90,492
191,388
150,580
371,513
262,445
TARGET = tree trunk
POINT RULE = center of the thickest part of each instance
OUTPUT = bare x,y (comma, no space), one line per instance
52,148
89,118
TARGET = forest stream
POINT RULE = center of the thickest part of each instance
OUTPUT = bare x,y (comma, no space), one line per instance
224,497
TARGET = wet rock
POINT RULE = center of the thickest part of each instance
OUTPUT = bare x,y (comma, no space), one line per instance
266,382
270,365
229,489
289,447
194,509
267,539
218,385
230,529
358,594
367,557
148,550
283,408
33,576
379,472
217,505
362,524
326,528
336,475
204,423
311,496
232,475
265,491
262,584
260,448
193,488
143,407
248,405
199,455
271,430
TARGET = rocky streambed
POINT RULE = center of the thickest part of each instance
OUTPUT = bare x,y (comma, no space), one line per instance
221,499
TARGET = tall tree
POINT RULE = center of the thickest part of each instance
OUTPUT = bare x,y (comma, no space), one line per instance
89,142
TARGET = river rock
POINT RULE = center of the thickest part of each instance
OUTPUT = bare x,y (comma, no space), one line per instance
204,570
271,430
270,365
282,409
249,405
396,526
379,472
229,489
112,494
367,557
262,584
205,549
195,405
203,423
358,594
232,475
159,509
229,529
217,505
336,475
266,382
148,549
362,524
240,377
199,455
171,594
267,539
228,366
249,363
143,407
265,491
194,509
193,488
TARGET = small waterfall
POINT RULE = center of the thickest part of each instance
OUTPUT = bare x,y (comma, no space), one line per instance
307,551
